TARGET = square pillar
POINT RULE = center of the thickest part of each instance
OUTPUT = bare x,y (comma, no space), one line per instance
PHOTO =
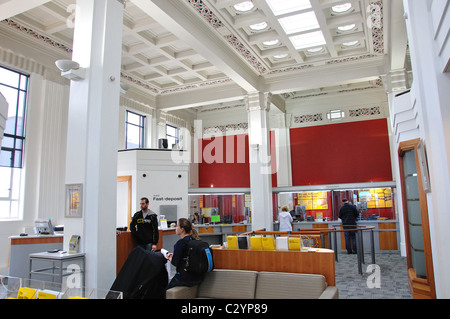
92,135
258,106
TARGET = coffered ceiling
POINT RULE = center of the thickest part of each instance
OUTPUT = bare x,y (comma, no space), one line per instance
192,53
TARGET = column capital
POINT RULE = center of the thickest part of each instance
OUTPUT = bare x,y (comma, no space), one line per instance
258,101
397,81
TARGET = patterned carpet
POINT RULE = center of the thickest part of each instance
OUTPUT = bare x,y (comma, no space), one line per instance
393,277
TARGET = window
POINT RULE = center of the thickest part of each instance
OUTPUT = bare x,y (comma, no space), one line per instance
335,115
135,128
14,87
172,135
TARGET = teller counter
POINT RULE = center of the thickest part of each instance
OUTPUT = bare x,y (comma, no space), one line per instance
386,233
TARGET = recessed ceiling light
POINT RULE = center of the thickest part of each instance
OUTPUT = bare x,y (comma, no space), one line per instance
308,40
350,44
315,50
272,42
244,6
347,27
341,8
280,56
287,6
258,26
299,22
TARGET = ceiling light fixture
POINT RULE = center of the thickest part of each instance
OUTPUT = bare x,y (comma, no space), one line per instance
280,56
71,70
258,26
315,50
270,43
341,8
244,6
350,44
346,28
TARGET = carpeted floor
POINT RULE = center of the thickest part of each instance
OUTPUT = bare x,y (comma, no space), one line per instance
393,277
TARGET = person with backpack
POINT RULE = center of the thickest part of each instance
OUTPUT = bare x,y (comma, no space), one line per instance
181,255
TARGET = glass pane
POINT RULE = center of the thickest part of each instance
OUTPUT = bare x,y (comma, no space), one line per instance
14,213
11,97
133,118
171,141
20,115
5,158
414,214
133,136
9,77
7,142
4,209
18,159
23,82
412,187
5,181
16,185
172,131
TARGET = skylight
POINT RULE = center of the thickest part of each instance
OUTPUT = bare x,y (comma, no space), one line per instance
244,6
299,22
280,7
308,40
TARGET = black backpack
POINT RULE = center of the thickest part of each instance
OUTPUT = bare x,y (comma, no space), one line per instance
199,257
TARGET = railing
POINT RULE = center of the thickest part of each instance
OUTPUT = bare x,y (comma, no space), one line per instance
332,240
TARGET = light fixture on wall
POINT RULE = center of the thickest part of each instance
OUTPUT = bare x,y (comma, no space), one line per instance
124,87
71,70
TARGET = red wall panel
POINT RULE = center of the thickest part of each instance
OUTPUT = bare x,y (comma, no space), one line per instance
355,152
224,170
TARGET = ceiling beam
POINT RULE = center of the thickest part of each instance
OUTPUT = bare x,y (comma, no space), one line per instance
189,26
205,96
11,8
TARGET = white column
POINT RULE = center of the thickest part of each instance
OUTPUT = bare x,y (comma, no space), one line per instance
92,136
258,105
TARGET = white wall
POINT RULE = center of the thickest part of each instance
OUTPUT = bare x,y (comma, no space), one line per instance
165,182
427,22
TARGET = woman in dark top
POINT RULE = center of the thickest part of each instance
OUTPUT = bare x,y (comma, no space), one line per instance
178,258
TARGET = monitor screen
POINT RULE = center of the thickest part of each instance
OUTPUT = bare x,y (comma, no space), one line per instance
215,218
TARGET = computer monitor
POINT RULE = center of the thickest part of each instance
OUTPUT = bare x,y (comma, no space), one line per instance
43,226
228,219
215,218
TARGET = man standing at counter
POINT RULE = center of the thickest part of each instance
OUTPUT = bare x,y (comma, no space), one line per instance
144,226
348,214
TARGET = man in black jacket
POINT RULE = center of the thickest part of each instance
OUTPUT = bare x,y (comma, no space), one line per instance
348,214
144,226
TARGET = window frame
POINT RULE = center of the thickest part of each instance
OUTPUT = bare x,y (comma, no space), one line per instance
177,137
15,137
141,126
16,166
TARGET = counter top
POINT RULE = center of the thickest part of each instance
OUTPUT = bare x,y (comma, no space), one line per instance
35,236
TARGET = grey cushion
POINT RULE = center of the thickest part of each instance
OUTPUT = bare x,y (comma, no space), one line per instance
228,284
273,285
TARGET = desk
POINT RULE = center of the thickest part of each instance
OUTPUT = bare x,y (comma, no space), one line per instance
22,247
58,260
319,262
